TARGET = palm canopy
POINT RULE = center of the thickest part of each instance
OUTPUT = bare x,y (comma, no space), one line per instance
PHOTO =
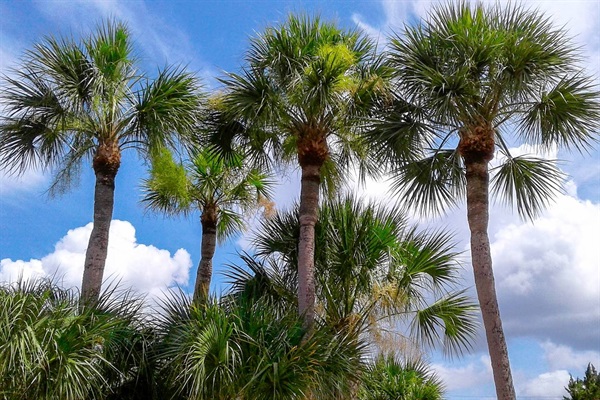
69,102
304,88
66,100
207,183
221,188
470,80
478,78
372,270
306,85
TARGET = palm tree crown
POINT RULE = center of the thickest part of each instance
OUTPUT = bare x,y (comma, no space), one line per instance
305,84
72,102
471,80
221,189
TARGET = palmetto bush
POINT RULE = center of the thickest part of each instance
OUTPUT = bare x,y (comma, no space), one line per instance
251,347
389,377
51,348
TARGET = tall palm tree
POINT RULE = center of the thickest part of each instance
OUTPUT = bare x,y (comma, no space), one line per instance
480,77
220,188
305,83
69,102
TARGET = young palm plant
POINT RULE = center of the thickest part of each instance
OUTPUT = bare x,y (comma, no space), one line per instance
305,86
220,188
72,102
391,378
52,348
374,271
471,80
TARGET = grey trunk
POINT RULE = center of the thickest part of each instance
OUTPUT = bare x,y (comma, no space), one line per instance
309,205
95,256
477,214
207,251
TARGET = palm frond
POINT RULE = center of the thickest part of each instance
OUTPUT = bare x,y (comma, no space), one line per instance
449,321
431,184
566,114
169,103
528,183
167,188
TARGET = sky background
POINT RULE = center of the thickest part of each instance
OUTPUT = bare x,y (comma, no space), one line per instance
547,272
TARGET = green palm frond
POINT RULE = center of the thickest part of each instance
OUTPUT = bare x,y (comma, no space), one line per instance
371,266
566,114
527,183
449,321
51,348
431,184
68,98
390,376
307,75
169,103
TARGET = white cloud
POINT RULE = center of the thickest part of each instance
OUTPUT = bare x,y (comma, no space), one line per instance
475,373
547,385
144,268
548,274
564,357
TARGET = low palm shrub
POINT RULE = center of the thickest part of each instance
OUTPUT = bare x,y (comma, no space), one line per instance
389,377
53,348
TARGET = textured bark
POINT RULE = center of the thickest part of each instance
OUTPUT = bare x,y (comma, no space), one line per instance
477,147
207,251
312,153
106,164
309,205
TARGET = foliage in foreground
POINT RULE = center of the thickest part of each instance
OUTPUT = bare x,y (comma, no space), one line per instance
250,348
390,378
51,348
587,388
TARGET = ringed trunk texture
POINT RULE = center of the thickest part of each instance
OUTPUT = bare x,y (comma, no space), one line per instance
312,153
309,207
207,251
477,150
106,164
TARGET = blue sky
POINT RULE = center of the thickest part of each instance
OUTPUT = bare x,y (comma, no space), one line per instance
547,272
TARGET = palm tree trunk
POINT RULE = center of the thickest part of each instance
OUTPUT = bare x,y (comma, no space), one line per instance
106,164
207,251
477,214
309,205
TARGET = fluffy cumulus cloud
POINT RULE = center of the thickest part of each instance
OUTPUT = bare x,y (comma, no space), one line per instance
547,385
564,357
547,274
457,378
144,268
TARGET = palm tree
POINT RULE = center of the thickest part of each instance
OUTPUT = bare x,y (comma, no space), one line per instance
480,77
220,188
305,83
69,102
373,272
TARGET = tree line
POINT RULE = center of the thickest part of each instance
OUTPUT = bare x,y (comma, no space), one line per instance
432,110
